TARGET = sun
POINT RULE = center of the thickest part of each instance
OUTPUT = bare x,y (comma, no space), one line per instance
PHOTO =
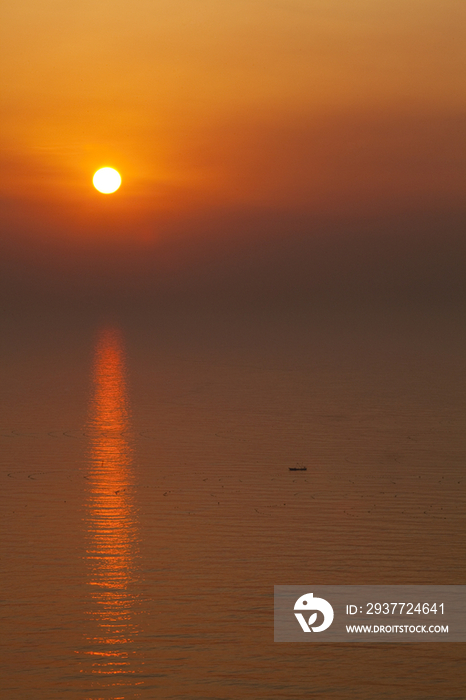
107,180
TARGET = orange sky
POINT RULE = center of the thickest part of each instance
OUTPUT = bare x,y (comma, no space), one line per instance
210,109
296,103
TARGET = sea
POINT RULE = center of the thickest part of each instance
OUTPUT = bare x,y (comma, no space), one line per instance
150,499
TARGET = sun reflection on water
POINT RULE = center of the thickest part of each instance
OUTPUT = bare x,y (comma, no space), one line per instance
111,525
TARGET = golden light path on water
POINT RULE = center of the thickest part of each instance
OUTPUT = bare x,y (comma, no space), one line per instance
111,528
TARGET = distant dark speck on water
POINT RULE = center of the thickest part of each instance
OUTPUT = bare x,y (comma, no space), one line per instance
297,469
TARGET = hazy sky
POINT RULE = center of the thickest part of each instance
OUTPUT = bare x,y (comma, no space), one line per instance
228,117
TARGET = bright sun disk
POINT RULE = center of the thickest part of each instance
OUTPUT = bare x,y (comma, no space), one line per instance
107,180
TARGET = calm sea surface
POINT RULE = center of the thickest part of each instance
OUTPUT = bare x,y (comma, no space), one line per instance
148,509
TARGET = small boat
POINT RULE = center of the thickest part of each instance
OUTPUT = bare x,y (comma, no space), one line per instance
297,469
